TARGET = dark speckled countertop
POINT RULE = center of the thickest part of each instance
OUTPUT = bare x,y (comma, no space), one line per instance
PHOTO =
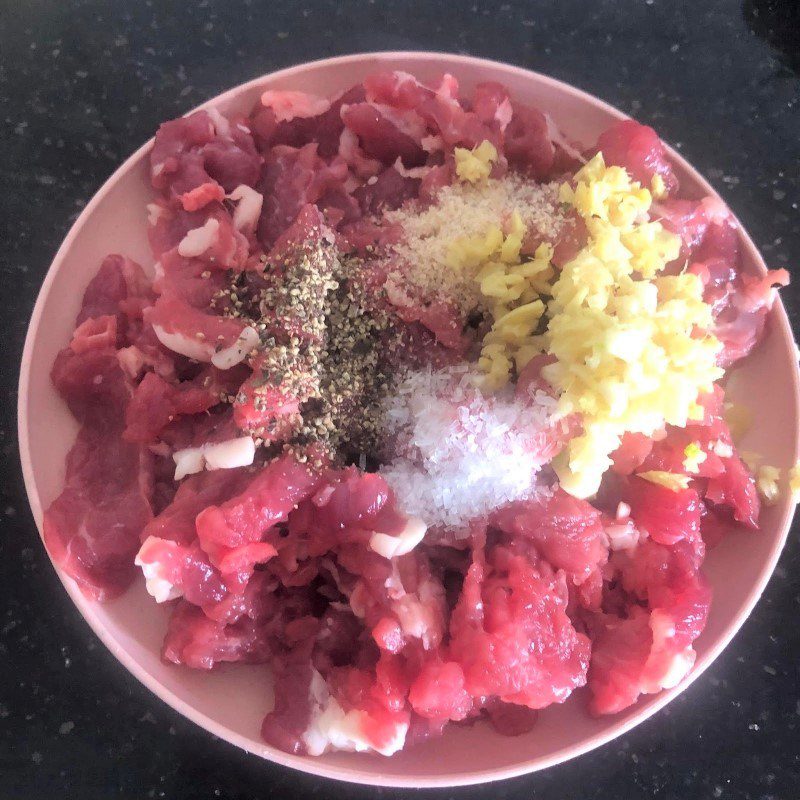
82,84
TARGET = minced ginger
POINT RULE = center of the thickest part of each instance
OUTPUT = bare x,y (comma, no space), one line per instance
632,346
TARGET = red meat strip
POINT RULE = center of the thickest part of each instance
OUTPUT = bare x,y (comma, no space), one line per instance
512,636
567,532
637,148
246,518
92,529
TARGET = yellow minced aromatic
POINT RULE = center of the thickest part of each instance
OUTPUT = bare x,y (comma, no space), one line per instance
767,478
474,166
694,456
657,187
750,459
446,243
794,482
669,480
632,346
510,290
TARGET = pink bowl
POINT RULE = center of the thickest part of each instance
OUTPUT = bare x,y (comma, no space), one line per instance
231,702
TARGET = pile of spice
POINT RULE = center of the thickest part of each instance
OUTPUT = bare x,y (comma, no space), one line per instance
324,347
354,372
424,256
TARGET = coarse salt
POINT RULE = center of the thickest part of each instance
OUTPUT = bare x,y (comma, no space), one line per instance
460,455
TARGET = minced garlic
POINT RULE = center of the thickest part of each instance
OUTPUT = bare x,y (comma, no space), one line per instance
510,290
657,187
474,166
750,459
669,480
693,457
767,479
632,346
794,482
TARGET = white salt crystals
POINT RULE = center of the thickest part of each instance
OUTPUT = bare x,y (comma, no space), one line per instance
460,455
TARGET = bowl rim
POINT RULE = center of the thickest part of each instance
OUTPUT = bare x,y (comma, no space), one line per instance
306,764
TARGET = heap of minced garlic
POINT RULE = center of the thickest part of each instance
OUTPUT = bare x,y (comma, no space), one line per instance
768,478
632,346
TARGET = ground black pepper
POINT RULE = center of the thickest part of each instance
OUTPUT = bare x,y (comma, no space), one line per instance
326,340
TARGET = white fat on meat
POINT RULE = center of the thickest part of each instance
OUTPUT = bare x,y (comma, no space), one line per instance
201,350
408,122
717,211
404,542
154,213
231,356
358,600
677,669
150,559
555,136
622,535
333,728
420,614
416,620
189,346
188,461
672,669
248,207
132,361
350,150
447,89
287,105
412,172
221,125
232,453
432,144
503,114
198,240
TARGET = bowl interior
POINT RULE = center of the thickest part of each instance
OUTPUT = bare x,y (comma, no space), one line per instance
232,701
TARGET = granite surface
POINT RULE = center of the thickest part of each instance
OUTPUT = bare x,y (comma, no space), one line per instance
82,84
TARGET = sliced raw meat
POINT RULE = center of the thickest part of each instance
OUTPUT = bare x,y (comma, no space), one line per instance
266,501
292,179
92,529
511,634
668,516
637,148
527,142
567,532
381,134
